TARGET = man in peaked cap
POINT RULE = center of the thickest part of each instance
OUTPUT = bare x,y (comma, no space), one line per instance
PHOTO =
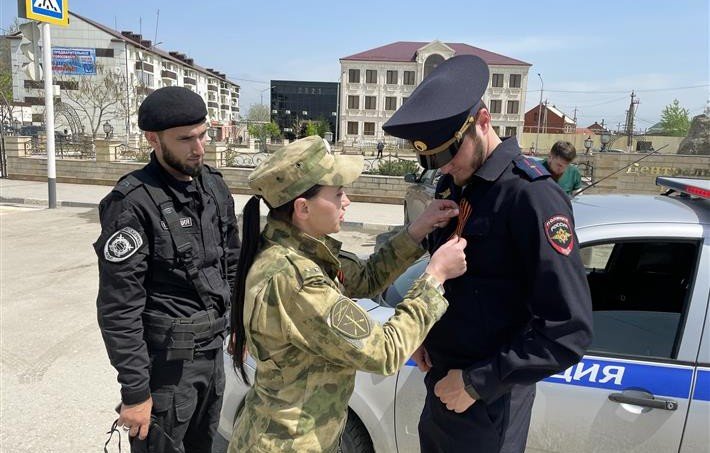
167,254
522,310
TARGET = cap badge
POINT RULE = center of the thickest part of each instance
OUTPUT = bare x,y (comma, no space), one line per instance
420,145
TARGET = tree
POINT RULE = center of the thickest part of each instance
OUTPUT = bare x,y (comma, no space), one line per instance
260,125
97,98
318,127
675,120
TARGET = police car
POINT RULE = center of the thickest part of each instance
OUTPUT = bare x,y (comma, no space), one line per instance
644,384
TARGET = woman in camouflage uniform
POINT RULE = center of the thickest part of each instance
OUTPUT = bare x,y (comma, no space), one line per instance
292,306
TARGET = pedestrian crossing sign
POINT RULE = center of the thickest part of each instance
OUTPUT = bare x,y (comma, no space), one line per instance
52,11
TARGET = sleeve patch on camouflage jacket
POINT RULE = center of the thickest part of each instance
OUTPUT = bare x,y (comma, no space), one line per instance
348,319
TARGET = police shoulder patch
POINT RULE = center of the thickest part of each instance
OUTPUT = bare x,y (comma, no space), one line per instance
348,319
122,244
559,234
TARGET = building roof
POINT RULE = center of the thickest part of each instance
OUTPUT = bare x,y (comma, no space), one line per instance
406,51
559,113
138,41
554,110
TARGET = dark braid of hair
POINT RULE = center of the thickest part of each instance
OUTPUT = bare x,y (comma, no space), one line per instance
250,244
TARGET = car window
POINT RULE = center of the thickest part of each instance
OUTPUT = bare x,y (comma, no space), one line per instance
429,177
639,295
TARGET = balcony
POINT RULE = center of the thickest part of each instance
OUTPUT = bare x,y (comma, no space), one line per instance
213,105
143,66
168,74
225,107
190,81
212,88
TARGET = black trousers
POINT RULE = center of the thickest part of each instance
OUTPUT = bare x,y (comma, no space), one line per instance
187,399
497,426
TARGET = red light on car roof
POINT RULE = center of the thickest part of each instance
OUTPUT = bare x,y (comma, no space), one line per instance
697,191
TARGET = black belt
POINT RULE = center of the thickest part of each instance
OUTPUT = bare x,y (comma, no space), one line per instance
178,335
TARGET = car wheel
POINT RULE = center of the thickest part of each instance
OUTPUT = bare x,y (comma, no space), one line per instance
355,438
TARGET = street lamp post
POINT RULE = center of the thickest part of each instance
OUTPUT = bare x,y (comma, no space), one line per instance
588,146
605,139
261,94
539,113
108,129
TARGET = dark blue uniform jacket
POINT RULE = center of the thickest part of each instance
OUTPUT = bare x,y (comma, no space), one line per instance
522,310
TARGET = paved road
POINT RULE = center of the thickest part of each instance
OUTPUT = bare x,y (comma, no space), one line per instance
57,388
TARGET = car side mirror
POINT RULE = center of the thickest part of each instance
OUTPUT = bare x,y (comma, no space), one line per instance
410,177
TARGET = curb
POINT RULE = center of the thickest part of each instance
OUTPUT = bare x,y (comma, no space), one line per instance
365,227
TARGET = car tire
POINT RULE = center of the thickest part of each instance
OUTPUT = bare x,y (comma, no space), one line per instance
355,438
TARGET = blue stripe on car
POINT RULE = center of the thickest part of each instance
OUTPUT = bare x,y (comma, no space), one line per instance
658,379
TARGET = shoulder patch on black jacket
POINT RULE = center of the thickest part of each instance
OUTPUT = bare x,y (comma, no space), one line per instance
532,168
127,184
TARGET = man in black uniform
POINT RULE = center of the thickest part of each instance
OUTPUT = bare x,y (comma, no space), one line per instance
522,310
168,253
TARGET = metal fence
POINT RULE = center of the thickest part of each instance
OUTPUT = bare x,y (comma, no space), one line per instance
390,164
79,148
127,153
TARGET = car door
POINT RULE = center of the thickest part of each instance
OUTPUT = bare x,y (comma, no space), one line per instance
632,390
696,436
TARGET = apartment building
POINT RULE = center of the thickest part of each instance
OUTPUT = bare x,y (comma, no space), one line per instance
376,82
88,49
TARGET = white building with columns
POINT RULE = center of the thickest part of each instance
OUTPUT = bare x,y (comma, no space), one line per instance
376,82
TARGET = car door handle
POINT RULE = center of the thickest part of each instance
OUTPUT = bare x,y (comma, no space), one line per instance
645,400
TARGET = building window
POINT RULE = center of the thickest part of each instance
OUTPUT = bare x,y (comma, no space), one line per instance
354,75
513,106
353,102
408,77
496,105
431,63
390,103
145,78
352,128
392,77
369,129
371,76
514,81
104,53
497,80
496,129
404,99
370,102
511,131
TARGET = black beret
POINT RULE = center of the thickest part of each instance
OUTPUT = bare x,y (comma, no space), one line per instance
170,107
440,105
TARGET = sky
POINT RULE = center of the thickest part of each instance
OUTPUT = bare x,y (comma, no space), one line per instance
590,55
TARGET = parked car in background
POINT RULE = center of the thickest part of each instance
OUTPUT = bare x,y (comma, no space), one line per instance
420,193
644,384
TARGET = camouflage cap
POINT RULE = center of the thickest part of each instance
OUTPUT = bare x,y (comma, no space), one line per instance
300,165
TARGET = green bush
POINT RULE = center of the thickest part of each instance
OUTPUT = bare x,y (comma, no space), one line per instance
397,167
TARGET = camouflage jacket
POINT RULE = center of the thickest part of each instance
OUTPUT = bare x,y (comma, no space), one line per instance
308,337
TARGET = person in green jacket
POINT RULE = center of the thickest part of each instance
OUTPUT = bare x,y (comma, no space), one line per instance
558,164
293,310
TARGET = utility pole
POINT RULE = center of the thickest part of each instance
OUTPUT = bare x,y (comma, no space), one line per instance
544,121
539,114
630,122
